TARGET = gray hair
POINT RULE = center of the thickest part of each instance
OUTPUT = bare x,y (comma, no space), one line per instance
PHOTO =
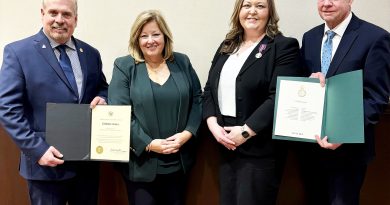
75,5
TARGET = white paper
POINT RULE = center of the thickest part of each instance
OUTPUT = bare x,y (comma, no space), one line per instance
300,109
110,133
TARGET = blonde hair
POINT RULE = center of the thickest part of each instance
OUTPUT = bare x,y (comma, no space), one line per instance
235,36
142,19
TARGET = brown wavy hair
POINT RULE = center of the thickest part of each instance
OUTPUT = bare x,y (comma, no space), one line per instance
235,36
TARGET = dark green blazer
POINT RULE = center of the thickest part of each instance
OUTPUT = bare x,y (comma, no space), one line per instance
130,85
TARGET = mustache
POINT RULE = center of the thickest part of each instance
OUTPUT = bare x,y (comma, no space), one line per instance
58,26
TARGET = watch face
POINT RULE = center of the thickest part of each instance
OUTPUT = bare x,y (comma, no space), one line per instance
245,134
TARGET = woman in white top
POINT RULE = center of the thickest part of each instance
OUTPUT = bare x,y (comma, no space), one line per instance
239,99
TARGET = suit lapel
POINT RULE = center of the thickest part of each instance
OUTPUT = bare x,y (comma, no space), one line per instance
316,45
252,57
42,45
345,45
83,65
149,109
181,84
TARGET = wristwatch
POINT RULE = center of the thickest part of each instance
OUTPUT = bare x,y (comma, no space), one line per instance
244,133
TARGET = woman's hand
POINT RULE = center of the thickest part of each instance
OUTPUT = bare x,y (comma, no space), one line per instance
220,134
235,134
171,144
180,138
163,146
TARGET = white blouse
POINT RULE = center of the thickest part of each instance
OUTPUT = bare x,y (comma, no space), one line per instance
227,81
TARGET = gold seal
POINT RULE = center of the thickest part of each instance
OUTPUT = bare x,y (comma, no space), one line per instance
302,91
99,149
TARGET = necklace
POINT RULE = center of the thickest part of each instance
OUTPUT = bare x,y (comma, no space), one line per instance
247,44
157,68
244,46
158,72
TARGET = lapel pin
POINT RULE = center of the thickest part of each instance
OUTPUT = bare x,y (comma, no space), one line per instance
261,49
43,46
81,50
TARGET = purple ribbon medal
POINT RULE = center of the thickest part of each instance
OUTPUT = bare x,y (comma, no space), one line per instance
262,47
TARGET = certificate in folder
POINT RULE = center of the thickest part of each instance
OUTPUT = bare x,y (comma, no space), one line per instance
81,133
304,109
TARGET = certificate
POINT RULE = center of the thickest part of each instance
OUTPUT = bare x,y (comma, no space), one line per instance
110,133
300,109
304,109
81,133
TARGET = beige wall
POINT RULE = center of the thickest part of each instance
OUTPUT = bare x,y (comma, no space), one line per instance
198,26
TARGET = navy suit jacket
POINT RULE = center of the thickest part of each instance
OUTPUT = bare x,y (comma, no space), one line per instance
30,77
363,46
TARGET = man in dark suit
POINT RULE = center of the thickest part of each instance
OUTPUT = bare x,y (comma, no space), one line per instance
334,173
51,66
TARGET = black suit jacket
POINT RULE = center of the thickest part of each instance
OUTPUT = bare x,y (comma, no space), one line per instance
255,90
363,46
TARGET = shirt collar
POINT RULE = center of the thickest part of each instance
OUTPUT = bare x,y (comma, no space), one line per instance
340,29
54,44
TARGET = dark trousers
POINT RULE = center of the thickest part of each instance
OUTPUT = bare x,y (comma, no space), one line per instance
248,180
166,189
80,190
331,183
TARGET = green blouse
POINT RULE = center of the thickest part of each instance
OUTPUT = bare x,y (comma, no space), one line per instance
167,100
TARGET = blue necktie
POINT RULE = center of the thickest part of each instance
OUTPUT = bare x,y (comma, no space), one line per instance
67,67
327,52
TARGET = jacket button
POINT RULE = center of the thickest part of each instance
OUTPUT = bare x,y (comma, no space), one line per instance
239,98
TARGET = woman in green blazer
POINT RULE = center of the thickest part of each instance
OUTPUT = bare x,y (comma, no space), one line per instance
165,94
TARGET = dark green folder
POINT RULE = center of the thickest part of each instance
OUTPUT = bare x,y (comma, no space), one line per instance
343,117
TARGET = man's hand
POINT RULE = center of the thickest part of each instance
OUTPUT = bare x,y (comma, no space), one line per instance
320,76
51,158
325,144
97,101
